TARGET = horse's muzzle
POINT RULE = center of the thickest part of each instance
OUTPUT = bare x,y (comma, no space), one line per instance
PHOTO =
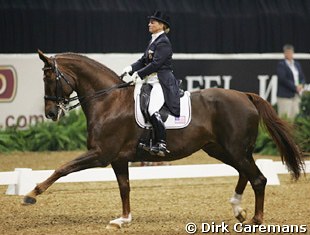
52,115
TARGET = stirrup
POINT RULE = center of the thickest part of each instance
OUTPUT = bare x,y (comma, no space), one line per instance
144,146
159,149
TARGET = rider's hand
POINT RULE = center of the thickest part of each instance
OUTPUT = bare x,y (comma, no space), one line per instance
135,77
127,70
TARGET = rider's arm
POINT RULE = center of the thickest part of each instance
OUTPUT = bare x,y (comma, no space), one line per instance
161,54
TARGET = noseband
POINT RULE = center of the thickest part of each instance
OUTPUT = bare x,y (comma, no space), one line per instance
62,102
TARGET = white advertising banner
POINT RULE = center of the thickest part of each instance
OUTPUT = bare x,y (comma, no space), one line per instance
21,92
22,88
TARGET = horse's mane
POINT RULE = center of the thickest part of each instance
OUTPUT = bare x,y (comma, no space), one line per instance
75,56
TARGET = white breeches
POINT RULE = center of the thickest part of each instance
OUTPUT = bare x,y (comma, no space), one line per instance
157,99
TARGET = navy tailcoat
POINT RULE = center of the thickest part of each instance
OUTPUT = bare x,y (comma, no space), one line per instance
157,58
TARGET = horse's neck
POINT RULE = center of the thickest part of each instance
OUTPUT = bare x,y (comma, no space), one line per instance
89,78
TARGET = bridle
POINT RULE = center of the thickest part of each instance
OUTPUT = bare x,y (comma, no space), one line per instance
59,93
59,97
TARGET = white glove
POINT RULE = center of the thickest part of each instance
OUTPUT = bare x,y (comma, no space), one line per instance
135,78
127,70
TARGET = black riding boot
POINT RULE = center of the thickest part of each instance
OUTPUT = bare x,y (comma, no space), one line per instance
159,148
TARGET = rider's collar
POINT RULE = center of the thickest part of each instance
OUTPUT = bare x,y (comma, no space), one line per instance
156,35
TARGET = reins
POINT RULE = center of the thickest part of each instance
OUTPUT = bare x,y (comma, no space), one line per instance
97,94
62,102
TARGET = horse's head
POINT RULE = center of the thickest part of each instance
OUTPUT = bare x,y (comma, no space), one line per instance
57,88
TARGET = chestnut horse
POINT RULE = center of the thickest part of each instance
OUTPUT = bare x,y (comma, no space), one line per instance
224,124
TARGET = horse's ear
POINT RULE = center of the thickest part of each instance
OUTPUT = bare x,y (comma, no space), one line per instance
44,58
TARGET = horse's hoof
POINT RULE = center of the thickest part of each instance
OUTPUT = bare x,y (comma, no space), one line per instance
119,222
28,200
241,216
113,226
253,222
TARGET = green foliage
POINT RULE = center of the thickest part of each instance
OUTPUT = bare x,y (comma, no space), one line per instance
264,143
305,105
67,134
302,123
303,133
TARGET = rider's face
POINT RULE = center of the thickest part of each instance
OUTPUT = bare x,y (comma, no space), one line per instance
155,26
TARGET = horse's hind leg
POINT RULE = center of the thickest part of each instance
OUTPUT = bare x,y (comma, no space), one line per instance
235,201
87,160
220,154
248,168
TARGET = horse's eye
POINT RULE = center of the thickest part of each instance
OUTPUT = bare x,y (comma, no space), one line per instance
48,79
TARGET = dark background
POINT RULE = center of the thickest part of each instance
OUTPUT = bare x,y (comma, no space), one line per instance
198,26
244,73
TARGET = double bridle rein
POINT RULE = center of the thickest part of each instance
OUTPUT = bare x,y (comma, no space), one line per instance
62,102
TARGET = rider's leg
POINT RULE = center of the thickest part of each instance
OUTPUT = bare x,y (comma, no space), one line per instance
160,135
157,99
156,102
145,94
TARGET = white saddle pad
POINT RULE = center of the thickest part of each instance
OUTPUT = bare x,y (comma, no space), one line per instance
172,122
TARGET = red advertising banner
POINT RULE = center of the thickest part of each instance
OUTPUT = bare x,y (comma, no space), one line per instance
8,83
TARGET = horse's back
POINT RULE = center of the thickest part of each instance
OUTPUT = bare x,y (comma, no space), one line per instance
229,115
224,101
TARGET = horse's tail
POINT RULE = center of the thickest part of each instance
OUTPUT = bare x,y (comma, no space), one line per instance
281,133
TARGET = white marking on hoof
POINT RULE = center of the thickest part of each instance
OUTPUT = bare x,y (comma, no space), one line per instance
238,211
119,222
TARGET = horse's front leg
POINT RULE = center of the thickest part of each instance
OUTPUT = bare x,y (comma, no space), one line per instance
120,168
87,160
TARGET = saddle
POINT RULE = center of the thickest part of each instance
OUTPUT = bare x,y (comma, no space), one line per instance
142,101
142,94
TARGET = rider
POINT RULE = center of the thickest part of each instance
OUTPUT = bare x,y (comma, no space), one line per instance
155,68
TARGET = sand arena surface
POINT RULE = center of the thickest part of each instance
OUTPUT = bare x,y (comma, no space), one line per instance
158,206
